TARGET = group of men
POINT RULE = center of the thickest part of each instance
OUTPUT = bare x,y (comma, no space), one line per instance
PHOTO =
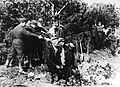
26,28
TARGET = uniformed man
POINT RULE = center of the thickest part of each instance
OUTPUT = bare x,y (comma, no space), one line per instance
17,43
40,25
33,45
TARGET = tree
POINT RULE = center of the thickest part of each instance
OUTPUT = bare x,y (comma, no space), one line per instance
75,15
104,13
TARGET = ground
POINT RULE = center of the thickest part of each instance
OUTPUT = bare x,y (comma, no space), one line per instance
15,79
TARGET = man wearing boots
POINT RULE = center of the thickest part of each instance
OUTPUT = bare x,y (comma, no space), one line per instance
17,43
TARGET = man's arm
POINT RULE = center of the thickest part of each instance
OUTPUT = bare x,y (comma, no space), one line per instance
28,33
43,29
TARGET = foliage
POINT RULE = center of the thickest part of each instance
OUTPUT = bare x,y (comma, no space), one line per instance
90,74
80,21
95,73
77,17
107,14
11,77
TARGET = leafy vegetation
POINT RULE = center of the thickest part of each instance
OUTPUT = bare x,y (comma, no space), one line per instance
76,16
82,23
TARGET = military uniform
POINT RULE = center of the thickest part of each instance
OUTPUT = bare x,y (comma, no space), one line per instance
18,44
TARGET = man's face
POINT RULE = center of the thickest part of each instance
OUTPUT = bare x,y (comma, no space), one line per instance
61,43
33,25
23,23
39,23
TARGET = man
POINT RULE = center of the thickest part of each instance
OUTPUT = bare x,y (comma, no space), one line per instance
17,43
32,44
52,30
40,25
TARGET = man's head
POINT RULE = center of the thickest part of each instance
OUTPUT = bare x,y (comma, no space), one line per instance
22,21
33,23
61,41
40,22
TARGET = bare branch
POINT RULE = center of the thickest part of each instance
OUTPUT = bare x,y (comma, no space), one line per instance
50,2
61,9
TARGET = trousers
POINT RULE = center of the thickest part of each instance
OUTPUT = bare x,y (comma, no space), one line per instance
16,51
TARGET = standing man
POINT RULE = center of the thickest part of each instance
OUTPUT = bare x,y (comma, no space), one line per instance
17,43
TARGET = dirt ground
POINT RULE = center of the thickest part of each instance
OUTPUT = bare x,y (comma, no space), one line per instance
114,81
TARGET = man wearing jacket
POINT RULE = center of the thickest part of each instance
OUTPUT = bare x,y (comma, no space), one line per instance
18,44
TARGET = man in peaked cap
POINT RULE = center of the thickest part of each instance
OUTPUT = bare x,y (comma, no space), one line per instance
17,43
16,37
40,25
31,24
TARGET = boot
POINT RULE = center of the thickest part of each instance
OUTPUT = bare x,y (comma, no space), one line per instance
7,63
10,63
21,70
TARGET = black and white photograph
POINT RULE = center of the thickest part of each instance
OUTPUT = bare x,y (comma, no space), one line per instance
59,43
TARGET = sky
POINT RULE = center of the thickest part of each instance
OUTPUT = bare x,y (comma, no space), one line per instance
116,2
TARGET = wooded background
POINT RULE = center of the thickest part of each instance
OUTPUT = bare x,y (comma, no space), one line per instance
81,22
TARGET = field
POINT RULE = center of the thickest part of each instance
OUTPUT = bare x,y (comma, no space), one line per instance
102,71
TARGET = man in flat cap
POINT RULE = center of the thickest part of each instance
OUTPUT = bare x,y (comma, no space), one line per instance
17,43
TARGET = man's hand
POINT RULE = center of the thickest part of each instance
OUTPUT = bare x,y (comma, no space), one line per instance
72,45
47,39
40,37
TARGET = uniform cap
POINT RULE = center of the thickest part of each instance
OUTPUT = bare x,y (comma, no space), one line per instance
61,40
22,19
33,22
